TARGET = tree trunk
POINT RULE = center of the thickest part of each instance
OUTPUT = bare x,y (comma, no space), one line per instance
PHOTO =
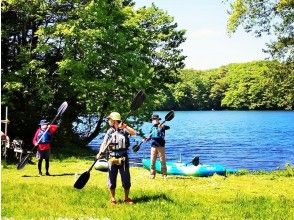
99,123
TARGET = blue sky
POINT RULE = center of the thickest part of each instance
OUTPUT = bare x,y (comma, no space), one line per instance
208,44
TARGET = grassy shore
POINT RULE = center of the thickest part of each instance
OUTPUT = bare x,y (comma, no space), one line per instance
248,196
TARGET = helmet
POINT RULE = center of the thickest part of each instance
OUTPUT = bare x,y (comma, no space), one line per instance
115,116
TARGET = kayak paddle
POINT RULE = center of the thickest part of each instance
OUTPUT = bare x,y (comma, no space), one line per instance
168,117
84,177
25,160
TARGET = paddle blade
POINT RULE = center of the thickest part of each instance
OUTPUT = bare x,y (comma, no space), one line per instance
23,162
138,100
169,116
82,180
136,147
195,161
62,108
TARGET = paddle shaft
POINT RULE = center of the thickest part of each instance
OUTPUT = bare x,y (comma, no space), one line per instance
91,167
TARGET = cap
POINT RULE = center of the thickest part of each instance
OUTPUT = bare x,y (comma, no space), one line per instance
155,117
43,122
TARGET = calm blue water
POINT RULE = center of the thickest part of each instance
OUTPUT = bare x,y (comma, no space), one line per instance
254,140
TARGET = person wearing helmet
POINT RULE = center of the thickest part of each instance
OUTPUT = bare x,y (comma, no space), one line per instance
44,137
116,144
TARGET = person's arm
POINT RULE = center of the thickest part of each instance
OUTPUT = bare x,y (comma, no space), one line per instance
103,145
53,129
36,137
165,127
130,130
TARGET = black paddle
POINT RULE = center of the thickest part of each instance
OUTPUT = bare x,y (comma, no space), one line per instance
169,116
25,160
84,177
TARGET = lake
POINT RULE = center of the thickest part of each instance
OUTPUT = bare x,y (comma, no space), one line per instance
253,140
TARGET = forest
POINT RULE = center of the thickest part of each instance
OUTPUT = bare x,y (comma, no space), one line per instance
258,85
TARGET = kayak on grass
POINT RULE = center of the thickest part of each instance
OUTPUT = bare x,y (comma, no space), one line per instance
184,169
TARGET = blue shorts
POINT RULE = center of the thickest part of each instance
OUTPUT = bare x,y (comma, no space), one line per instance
124,171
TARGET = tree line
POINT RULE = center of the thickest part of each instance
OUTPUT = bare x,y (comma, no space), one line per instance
258,85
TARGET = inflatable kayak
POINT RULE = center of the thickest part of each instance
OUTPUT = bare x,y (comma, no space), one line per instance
101,165
177,168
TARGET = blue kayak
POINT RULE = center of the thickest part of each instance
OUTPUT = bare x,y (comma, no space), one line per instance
201,170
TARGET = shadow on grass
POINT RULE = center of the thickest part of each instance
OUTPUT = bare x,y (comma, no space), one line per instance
145,198
52,175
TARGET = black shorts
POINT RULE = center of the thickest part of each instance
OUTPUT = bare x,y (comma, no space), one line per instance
158,143
43,154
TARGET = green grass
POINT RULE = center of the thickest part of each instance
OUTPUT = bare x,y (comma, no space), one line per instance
248,196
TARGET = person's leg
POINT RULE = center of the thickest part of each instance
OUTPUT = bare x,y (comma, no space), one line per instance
39,156
47,166
153,157
112,175
112,193
40,166
47,162
161,151
124,171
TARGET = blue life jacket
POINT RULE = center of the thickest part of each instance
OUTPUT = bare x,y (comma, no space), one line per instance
157,136
46,139
157,133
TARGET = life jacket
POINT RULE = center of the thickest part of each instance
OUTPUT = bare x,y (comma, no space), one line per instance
157,133
118,140
46,139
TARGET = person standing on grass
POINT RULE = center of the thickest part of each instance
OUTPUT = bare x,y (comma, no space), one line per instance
44,145
115,144
157,134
